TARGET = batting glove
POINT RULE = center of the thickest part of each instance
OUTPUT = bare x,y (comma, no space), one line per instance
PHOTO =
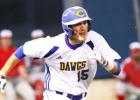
108,65
97,55
2,82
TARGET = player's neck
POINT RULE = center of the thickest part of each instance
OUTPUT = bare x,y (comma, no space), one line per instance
73,41
5,48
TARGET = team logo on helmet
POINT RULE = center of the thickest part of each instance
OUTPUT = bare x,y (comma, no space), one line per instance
80,13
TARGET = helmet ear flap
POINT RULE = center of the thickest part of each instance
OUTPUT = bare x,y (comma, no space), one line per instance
67,29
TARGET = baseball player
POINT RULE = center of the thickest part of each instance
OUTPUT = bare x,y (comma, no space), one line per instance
18,79
36,68
70,58
129,84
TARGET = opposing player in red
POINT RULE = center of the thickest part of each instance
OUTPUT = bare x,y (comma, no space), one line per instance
15,83
130,75
36,68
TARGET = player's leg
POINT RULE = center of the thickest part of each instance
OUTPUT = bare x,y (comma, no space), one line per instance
36,76
38,86
37,82
133,97
120,90
25,90
45,96
10,93
134,92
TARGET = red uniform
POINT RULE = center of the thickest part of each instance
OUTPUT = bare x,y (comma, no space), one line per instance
131,72
4,55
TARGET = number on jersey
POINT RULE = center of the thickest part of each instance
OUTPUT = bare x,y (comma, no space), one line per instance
83,74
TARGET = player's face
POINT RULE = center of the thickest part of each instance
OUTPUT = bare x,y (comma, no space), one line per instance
135,54
80,31
6,42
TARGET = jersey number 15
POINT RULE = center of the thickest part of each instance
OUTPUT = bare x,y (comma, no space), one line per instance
83,74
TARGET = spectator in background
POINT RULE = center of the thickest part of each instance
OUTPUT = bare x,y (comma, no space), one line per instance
130,75
18,80
36,68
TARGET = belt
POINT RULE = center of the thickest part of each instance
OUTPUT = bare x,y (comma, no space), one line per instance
71,96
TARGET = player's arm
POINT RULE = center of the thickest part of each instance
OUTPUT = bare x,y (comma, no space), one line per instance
30,49
13,60
105,55
109,65
22,71
115,68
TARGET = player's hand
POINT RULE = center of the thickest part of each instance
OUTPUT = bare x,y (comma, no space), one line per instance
108,65
97,55
2,82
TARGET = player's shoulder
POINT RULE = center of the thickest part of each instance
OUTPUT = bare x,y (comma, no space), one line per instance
93,35
96,38
46,40
126,61
11,49
39,40
58,37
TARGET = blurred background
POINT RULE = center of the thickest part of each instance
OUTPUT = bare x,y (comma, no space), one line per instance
117,20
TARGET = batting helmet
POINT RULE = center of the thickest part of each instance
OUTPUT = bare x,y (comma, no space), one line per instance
73,16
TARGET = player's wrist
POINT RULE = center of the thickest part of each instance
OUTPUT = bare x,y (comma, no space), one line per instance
117,68
108,65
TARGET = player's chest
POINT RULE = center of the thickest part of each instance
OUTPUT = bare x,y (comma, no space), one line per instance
70,60
5,55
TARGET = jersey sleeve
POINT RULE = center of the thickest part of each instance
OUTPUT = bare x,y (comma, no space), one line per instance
104,47
37,48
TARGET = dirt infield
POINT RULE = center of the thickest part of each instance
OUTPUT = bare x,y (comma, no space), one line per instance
2,97
103,89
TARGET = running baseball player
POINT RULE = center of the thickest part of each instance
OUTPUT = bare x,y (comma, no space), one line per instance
70,58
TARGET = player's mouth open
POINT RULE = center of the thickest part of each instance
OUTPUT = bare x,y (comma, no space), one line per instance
83,33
